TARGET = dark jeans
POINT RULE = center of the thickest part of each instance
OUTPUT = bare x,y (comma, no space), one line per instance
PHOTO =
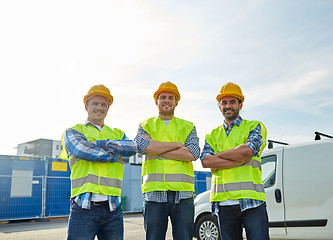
181,215
85,224
254,220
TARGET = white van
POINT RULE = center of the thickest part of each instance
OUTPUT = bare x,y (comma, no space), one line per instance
298,183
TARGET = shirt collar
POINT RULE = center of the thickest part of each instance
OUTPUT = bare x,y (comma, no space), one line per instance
236,122
86,122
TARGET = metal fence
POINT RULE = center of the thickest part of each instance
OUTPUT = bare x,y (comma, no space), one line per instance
34,188
36,197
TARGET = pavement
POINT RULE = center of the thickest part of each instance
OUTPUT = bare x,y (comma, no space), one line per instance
56,228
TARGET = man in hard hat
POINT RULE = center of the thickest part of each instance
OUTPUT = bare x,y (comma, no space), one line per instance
170,145
233,151
95,151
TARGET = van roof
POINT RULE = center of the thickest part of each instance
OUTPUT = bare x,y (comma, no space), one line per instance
296,145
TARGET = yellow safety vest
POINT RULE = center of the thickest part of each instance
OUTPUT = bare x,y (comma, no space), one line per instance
239,182
161,174
96,177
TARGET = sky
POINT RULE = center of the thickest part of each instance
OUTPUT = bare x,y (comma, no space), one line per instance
51,52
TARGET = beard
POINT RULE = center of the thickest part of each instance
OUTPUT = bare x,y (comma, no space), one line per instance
233,116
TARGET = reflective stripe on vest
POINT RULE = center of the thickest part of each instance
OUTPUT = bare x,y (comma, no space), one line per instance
109,182
72,161
160,177
228,187
254,163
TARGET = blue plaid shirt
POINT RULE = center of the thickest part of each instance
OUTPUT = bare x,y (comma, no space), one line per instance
254,142
77,145
191,142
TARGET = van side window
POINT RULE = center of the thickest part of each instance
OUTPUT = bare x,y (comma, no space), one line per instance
268,164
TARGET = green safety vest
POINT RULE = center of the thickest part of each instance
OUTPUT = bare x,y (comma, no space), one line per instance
239,182
161,174
103,178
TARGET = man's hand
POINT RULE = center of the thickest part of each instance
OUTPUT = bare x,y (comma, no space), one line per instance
146,136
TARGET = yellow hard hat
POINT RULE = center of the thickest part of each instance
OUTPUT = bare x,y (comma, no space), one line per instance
167,87
230,89
100,90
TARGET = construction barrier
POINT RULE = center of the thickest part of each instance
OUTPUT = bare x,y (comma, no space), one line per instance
32,188
202,181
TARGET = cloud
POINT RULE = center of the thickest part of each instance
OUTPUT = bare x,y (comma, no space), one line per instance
291,92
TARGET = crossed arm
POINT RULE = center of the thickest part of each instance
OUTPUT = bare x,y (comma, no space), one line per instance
233,157
189,151
171,150
99,151
229,158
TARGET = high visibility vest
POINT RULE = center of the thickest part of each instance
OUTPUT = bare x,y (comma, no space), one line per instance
239,182
104,178
161,174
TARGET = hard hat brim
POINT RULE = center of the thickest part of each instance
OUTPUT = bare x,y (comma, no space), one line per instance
176,93
218,97
108,97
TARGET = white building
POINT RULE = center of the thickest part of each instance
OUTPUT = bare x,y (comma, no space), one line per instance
40,148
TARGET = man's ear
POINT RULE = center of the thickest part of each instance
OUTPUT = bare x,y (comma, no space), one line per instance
240,106
220,106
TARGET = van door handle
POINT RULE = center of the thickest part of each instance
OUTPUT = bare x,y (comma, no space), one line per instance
278,197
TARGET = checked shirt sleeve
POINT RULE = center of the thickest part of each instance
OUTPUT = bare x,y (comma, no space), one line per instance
255,140
78,146
122,148
141,142
192,143
207,150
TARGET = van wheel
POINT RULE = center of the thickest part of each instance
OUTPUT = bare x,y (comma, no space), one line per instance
207,228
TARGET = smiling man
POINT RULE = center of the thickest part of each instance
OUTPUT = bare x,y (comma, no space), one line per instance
170,145
233,152
94,151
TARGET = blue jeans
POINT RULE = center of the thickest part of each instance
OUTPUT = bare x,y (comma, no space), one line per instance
85,224
181,215
254,220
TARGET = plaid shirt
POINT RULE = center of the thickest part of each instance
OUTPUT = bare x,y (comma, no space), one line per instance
84,201
254,142
77,145
191,142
